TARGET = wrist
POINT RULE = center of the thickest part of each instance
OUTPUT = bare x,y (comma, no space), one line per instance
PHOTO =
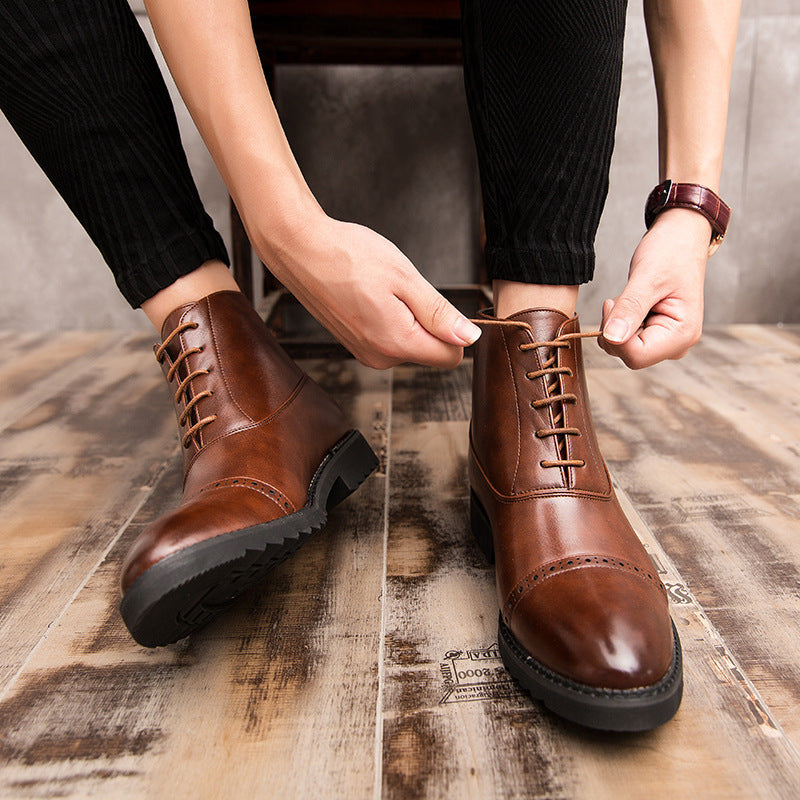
690,222
682,235
278,211
695,198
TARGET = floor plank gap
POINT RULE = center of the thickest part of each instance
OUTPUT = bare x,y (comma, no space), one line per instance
377,790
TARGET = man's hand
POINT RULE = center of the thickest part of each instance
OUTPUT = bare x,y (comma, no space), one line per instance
368,295
659,314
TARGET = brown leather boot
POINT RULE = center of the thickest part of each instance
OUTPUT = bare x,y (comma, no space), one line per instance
584,622
266,454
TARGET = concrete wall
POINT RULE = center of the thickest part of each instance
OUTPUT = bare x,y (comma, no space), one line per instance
391,147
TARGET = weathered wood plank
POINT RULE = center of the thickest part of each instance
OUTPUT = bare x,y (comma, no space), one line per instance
455,725
35,366
276,698
708,449
72,470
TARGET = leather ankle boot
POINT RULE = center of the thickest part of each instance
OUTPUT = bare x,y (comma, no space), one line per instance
266,454
584,620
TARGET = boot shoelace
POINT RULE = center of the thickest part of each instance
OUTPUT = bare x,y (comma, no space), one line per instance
184,386
553,395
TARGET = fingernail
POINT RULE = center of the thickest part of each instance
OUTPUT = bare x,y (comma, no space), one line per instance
616,330
466,331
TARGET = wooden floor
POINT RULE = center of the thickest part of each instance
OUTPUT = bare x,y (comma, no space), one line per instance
367,667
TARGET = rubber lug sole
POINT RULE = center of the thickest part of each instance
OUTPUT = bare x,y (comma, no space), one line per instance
639,709
186,590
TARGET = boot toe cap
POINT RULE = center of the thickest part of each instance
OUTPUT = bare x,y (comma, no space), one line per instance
206,516
597,627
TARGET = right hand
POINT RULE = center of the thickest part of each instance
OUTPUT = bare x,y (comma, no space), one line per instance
369,295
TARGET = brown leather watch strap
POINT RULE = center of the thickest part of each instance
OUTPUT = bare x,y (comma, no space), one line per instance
689,195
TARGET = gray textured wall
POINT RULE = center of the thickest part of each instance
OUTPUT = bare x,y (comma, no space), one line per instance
392,148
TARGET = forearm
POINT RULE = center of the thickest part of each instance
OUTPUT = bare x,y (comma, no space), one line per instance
210,50
692,44
355,282
659,314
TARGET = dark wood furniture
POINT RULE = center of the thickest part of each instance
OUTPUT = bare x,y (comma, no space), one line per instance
345,32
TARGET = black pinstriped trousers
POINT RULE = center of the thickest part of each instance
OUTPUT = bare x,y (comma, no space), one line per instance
81,87
542,80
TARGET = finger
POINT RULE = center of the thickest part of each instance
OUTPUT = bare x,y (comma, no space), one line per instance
391,335
652,344
604,314
416,346
627,314
606,311
425,348
403,339
440,318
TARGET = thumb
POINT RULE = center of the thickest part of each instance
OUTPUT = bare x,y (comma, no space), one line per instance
623,316
607,306
440,318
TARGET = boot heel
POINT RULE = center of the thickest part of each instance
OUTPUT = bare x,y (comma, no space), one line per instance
354,462
481,528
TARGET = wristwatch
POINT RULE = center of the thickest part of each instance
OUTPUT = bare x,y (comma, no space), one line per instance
695,197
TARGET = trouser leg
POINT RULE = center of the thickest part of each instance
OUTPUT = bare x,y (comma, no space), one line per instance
542,80
82,89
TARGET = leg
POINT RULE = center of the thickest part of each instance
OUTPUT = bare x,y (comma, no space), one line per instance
80,85
542,83
584,622
266,451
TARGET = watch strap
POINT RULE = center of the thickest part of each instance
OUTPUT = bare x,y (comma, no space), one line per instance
693,196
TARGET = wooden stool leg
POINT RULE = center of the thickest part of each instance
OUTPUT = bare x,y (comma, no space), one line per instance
242,254
270,282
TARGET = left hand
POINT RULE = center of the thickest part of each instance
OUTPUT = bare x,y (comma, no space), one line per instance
659,314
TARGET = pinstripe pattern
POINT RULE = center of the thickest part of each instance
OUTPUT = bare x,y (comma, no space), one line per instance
542,81
81,87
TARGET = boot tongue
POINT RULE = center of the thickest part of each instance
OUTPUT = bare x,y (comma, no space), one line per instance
544,322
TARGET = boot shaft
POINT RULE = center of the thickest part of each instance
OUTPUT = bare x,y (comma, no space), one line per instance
229,375
528,384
